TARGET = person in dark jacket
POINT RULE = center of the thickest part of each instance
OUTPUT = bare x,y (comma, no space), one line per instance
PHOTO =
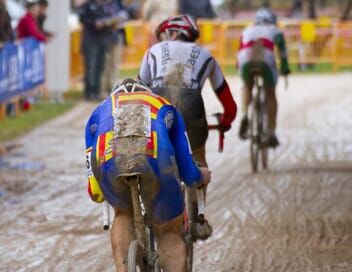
43,9
99,19
114,50
6,32
198,9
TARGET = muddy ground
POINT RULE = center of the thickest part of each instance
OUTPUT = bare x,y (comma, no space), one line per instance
296,216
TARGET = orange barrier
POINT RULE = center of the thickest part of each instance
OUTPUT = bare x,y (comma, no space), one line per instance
343,45
320,41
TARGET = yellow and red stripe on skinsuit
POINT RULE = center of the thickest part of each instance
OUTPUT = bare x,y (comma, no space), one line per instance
155,102
105,150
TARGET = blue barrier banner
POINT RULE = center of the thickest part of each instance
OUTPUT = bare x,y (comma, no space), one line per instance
25,59
22,67
3,75
13,68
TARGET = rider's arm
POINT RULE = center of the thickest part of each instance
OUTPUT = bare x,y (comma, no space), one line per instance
223,92
187,168
281,44
94,189
144,71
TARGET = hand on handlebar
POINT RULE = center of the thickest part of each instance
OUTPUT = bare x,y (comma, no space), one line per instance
206,176
225,125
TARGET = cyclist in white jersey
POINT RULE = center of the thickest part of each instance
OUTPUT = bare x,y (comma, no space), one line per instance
257,46
176,68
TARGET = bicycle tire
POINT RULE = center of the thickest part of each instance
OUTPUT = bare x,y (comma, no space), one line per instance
263,129
189,256
191,210
263,148
140,249
135,257
254,136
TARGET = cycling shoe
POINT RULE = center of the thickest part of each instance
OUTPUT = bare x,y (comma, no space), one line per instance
273,142
244,128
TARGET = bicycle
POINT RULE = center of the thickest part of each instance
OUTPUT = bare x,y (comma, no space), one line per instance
221,132
142,253
258,123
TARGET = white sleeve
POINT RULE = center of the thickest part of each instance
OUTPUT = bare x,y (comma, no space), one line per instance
144,71
216,76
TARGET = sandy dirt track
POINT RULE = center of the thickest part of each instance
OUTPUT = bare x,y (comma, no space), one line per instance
296,216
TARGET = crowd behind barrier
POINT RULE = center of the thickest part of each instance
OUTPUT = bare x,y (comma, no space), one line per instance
22,69
308,42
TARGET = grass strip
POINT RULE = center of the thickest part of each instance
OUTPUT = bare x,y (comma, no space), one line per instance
13,127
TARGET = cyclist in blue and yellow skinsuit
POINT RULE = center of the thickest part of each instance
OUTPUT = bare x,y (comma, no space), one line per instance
136,131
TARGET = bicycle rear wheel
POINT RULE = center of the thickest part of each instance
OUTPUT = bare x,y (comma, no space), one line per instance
191,211
254,136
135,258
264,129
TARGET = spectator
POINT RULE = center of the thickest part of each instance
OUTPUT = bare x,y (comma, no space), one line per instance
114,48
43,8
198,9
99,19
155,11
133,8
6,32
158,10
28,25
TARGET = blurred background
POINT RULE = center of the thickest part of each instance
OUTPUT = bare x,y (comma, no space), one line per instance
318,34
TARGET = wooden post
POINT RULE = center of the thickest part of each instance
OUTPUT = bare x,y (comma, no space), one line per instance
2,111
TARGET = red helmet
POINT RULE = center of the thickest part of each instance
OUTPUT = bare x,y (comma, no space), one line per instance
183,24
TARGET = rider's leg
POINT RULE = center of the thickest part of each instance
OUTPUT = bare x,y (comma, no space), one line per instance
272,108
121,237
272,113
270,81
246,100
246,97
171,246
202,230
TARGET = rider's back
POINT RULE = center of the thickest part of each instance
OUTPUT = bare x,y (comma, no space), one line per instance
178,72
183,64
267,36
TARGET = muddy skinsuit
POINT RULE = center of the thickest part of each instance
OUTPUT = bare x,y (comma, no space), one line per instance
131,134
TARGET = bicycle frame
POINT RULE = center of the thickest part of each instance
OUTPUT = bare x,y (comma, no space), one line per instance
221,132
143,229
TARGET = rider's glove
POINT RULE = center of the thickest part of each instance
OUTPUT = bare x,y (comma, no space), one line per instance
225,123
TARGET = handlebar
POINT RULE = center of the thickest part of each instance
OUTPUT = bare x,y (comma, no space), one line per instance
201,204
221,132
106,215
